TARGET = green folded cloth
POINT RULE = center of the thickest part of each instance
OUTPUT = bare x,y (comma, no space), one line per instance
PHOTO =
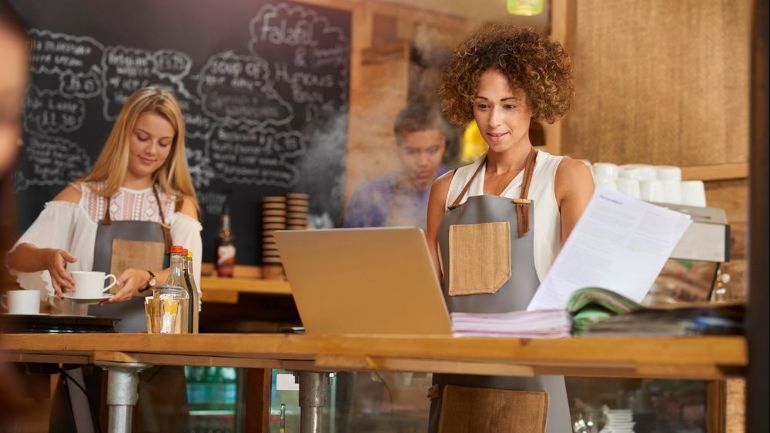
592,304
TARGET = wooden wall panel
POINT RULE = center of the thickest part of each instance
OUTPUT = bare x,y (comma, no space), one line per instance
380,93
660,81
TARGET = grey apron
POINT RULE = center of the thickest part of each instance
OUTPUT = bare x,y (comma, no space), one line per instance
514,294
149,235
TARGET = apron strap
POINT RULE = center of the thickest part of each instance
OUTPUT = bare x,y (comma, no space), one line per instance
522,203
467,185
107,219
164,226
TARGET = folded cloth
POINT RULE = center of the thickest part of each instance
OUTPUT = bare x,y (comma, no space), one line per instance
593,304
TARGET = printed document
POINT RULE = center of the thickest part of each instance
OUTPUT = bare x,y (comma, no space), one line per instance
620,243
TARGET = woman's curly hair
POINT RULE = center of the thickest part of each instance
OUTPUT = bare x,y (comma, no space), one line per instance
529,61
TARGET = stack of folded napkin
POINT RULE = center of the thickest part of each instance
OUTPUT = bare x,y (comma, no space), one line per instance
593,304
518,324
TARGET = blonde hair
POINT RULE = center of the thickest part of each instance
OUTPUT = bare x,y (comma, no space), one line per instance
111,165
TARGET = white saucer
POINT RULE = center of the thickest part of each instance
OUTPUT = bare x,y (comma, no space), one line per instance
85,300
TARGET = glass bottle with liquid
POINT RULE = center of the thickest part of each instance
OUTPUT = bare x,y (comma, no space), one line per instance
195,301
174,297
225,253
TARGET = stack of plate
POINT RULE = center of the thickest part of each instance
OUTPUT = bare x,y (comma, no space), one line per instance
273,218
618,421
297,204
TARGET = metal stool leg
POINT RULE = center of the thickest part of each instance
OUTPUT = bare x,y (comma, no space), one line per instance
122,393
313,391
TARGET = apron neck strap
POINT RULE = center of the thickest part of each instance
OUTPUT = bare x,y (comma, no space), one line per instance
467,186
160,207
529,165
522,203
163,225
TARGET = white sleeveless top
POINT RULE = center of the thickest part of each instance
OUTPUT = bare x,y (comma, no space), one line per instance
547,234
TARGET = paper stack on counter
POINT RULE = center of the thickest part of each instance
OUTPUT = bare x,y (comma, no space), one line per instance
518,324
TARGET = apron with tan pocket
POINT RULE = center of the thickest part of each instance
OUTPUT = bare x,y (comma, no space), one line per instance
121,245
487,249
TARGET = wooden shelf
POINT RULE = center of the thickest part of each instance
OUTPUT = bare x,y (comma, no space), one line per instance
716,172
245,285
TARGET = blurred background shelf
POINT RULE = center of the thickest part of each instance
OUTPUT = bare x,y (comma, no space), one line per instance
245,285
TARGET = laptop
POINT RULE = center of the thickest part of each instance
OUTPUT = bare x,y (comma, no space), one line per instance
363,281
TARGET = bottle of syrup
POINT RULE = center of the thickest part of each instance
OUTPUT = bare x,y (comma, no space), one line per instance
195,299
225,253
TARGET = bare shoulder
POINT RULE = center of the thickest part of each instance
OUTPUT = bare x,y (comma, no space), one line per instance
573,177
70,194
188,207
440,187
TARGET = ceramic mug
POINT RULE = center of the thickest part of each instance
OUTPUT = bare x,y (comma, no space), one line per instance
90,284
21,301
629,187
605,170
652,190
693,193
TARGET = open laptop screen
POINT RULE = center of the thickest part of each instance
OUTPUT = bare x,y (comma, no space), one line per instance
364,281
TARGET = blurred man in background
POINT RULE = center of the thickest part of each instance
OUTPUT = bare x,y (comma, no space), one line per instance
400,197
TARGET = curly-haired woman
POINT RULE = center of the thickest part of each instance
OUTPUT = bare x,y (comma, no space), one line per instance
495,226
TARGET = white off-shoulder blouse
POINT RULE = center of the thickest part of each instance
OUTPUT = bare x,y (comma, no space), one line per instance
72,227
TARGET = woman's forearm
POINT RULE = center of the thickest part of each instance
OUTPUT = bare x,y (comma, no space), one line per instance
28,258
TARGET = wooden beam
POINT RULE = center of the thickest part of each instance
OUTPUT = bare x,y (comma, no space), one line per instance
716,172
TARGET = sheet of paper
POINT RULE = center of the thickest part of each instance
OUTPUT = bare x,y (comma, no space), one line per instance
620,243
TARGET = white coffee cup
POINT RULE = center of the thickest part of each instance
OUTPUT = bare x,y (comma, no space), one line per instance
652,190
693,193
668,173
606,170
629,187
606,182
90,284
672,190
637,171
21,301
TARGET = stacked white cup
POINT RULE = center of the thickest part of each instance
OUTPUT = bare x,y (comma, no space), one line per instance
661,183
694,193
632,176
605,175
671,179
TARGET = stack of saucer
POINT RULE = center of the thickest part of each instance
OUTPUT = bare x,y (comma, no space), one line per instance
296,210
273,218
618,421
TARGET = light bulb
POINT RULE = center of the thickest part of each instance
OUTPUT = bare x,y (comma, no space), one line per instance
526,8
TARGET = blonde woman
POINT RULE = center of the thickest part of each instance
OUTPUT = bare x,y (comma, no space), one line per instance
138,199
120,219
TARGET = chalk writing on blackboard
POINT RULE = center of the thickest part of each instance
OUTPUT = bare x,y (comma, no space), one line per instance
261,112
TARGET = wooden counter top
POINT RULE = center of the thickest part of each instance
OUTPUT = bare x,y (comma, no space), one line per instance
660,357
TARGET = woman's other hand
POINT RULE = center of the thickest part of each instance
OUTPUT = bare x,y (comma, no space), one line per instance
129,282
56,262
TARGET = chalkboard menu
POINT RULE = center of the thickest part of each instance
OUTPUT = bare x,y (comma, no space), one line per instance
263,85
